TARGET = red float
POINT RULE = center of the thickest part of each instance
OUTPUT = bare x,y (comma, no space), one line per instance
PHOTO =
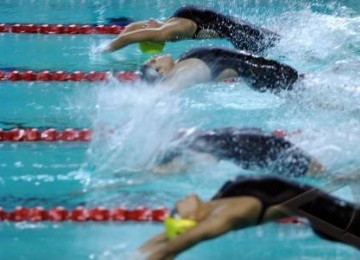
30,28
44,28
86,29
139,214
79,214
96,76
74,29
19,214
99,214
4,28
49,135
159,214
38,214
17,28
77,76
32,134
60,76
2,214
118,214
28,75
115,29
2,75
44,75
57,214
14,76
16,134
85,135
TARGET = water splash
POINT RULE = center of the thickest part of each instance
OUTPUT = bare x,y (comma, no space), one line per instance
132,122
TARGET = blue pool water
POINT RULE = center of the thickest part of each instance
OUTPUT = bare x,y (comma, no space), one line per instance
320,38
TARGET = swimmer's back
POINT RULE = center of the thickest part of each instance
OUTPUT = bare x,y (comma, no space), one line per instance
251,147
241,34
262,74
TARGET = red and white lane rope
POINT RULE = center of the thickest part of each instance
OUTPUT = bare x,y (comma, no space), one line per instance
99,214
60,28
70,134
81,214
48,135
46,75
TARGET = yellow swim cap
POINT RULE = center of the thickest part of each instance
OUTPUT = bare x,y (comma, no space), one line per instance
177,226
151,47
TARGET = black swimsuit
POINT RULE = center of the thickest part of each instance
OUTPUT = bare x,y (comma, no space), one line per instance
331,218
242,35
262,74
248,148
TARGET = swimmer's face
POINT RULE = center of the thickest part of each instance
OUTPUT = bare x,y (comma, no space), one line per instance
163,64
189,207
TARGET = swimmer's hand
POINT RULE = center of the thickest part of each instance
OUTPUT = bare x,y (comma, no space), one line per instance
103,48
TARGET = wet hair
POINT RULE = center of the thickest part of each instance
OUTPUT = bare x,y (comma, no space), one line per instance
149,74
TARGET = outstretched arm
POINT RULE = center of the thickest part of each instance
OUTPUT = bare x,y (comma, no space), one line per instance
230,217
169,31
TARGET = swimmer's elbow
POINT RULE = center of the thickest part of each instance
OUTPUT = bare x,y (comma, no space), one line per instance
163,35
219,227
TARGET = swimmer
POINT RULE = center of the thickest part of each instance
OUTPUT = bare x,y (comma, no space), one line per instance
249,148
249,201
214,63
190,22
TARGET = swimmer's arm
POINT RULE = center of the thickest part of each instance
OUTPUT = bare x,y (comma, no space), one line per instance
232,217
170,31
203,231
153,242
186,73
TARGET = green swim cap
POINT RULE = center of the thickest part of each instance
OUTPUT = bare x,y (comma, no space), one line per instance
151,47
177,226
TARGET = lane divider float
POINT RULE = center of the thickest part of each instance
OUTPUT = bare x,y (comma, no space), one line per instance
45,75
48,135
82,214
60,28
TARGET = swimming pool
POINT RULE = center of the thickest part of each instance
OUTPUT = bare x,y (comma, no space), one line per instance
320,38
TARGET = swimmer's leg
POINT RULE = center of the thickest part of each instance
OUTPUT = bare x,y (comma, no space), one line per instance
248,37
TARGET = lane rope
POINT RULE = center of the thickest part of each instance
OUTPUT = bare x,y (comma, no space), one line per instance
46,75
60,28
48,135
97,214
82,214
73,134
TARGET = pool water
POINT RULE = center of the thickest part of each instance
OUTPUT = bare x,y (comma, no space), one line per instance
319,38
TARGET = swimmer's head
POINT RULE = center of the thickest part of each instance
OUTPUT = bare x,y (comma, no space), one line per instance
149,74
157,68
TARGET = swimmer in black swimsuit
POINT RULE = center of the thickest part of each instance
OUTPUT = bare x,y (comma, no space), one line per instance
249,148
213,63
249,201
192,22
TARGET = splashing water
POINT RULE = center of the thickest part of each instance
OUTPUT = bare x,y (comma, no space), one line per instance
131,124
